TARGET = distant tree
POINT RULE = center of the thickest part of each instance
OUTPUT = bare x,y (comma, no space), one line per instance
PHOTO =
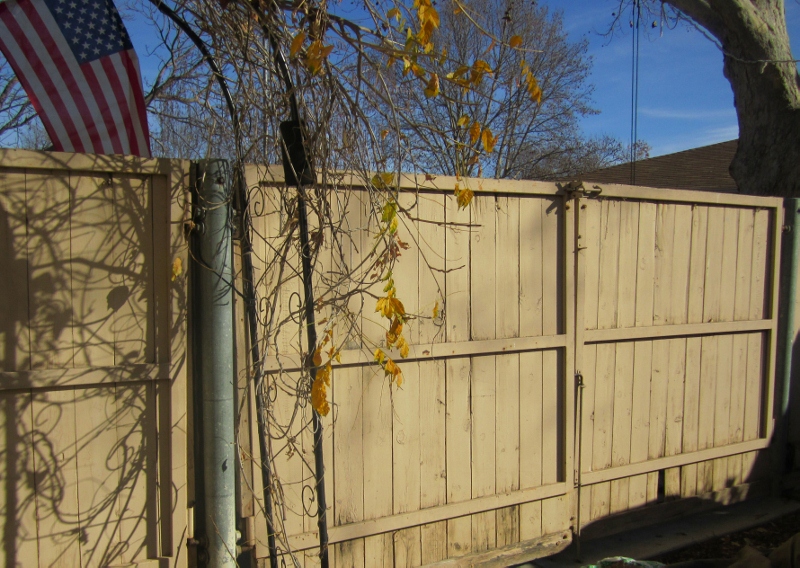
533,135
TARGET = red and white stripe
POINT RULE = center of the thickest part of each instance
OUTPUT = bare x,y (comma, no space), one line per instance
97,107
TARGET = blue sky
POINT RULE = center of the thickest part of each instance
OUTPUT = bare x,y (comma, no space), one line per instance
684,100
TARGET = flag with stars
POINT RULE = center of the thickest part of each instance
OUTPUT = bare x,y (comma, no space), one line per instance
77,64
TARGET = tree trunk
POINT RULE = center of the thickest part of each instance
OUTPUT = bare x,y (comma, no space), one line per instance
766,89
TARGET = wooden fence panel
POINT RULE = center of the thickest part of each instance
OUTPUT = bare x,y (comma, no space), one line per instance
93,360
675,306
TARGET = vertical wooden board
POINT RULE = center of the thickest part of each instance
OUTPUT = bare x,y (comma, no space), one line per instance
675,397
507,266
406,269
377,440
603,406
552,418
713,276
628,264
137,457
728,269
754,388
432,254
99,467
588,397
530,520
458,424
406,455
434,542
738,389
56,475
378,551
601,501
91,266
681,260
609,264
664,252
507,430
407,548
552,267
348,448
507,372
14,325
131,271
484,531
640,418
530,267
759,278
744,265
352,209
349,554
50,308
457,277
19,545
433,456
697,265
484,423
590,237
658,398
691,412
555,514
531,426
705,427
483,306
645,264
622,422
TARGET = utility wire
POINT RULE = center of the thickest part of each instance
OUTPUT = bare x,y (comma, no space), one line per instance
636,14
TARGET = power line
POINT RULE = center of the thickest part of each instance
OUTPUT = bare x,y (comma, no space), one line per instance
636,14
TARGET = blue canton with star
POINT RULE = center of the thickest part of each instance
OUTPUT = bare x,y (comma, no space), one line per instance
92,28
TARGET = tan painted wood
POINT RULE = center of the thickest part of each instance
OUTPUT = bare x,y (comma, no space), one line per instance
406,455
348,448
483,387
458,420
286,461
773,267
682,196
18,502
431,264
591,240
449,512
696,293
57,514
14,314
48,213
136,455
433,454
507,371
531,250
640,412
131,278
349,554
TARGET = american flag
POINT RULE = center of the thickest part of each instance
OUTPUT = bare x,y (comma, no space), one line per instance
76,62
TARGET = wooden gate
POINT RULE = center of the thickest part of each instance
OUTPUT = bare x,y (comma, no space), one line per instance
92,361
663,301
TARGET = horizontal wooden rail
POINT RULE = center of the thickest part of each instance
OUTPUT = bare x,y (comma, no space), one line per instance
675,330
88,376
361,357
425,516
631,470
636,193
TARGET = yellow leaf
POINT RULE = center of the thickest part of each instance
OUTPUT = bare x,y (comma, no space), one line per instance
318,356
393,226
384,134
474,132
436,309
515,41
488,140
457,10
463,121
379,356
338,356
534,90
297,44
463,197
319,393
432,88
402,345
177,268
429,177
388,178
393,13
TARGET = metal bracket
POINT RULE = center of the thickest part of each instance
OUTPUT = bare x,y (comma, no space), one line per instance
576,189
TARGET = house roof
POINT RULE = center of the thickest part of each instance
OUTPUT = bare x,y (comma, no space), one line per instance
704,168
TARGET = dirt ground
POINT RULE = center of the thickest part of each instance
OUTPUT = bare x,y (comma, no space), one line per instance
765,538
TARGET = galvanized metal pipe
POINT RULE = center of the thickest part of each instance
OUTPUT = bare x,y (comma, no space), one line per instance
213,320
790,264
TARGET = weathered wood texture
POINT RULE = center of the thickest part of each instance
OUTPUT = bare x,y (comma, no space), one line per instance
662,300
92,360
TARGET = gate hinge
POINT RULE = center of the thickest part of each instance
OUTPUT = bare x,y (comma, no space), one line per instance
576,188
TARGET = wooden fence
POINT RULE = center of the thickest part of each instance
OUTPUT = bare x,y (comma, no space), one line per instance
92,361
663,303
